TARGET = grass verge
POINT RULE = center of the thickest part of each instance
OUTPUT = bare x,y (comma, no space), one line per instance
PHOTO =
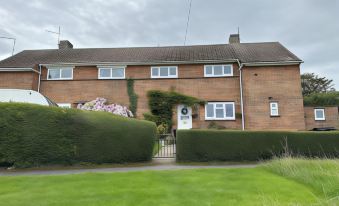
322,175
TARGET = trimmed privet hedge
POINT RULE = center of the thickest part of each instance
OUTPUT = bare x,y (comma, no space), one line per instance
33,135
216,145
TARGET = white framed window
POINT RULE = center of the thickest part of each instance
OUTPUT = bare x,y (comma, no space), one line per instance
111,73
164,72
60,73
274,108
220,111
65,105
319,114
218,70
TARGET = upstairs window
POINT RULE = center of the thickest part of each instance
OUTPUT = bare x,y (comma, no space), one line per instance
164,72
218,70
219,111
319,114
274,107
60,73
111,73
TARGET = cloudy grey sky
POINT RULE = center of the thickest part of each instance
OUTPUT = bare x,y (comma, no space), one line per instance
309,28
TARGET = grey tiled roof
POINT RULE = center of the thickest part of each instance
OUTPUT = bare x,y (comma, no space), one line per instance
245,52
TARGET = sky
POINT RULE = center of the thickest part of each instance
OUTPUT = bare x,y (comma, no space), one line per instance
308,28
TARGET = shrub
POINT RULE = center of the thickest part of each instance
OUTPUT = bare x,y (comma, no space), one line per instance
161,104
34,135
217,145
322,99
99,104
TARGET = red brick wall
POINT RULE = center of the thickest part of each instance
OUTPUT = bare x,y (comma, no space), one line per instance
331,118
282,84
86,86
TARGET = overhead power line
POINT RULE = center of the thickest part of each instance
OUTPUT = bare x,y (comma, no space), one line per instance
188,20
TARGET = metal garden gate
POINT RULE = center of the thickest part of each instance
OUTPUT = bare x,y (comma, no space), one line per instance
165,146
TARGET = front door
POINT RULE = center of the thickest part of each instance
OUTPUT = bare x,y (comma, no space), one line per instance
184,117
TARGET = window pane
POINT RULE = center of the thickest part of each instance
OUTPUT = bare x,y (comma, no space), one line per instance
319,114
54,74
274,105
118,72
218,70
173,71
155,71
210,110
208,70
229,110
164,71
66,73
105,72
227,69
274,112
219,105
219,113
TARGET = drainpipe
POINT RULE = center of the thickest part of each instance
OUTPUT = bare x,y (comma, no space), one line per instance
39,78
241,97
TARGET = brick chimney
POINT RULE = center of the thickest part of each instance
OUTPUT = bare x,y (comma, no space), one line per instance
234,38
65,44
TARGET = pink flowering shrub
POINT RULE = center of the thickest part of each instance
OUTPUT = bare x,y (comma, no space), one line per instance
99,105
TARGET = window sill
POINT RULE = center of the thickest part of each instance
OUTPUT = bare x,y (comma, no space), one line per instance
164,77
110,78
320,120
220,119
58,79
273,116
218,76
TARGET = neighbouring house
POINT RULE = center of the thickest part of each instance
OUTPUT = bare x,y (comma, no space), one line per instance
252,86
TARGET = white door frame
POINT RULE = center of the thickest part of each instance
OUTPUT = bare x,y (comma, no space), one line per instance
184,120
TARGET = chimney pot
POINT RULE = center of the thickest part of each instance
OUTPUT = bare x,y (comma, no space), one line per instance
65,44
234,38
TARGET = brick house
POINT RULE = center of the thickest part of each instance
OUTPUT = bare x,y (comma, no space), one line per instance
252,86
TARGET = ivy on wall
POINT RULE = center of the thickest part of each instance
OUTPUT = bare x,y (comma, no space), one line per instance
133,97
161,104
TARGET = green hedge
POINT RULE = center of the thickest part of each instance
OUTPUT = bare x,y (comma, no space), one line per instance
33,135
216,145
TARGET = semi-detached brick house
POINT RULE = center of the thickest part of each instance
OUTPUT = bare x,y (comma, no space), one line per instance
255,86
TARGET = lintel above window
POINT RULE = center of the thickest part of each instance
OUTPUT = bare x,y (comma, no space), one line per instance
218,70
60,73
164,72
114,72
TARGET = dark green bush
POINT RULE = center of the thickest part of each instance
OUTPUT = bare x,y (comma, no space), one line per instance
322,99
216,145
33,135
161,104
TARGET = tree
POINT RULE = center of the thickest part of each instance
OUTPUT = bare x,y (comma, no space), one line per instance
312,83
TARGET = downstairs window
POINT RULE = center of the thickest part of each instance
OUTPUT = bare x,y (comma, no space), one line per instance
219,111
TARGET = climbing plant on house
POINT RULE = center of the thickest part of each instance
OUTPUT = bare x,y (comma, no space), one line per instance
133,97
161,104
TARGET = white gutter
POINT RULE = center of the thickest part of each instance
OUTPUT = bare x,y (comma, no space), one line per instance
140,63
18,70
241,96
272,63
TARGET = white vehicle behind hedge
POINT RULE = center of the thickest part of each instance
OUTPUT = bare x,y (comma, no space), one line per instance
25,96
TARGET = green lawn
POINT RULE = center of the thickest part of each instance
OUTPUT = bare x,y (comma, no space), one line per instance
247,186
